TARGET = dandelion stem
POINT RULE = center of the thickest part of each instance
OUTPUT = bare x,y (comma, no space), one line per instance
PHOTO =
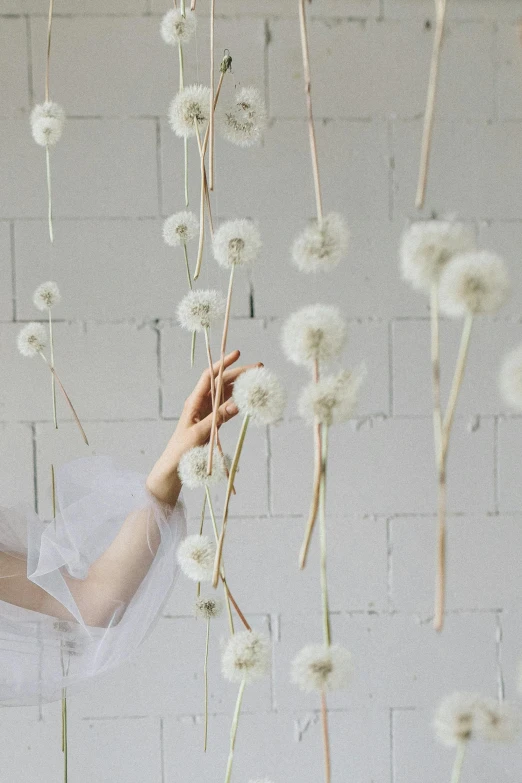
189,279
205,674
211,118
64,735
222,570
326,738
181,85
435,366
311,125
219,385
49,193
201,243
457,379
48,58
67,398
53,382
233,731
201,525
312,516
213,396
233,471
322,527
459,761
427,133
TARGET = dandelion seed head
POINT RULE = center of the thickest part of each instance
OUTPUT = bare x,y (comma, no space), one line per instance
455,718
426,248
318,667
333,399
236,243
47,121
200,309
191,106
32,339
259,394
180,228
208,608
46,296
322,244
473,284
246,657
244,122
196,557
315,333
510,378
192,468
497,721
176,28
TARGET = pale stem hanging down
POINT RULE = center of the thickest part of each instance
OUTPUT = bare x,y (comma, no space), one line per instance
233,731
213,396
311,125
64,671
181,85
440,12
48,58
193,5
231,477
326,738
459,761
314,506
201,204
322,526
67,399
49,192
435,367
47,153
219,384
212,103
442,492
53,382
201,525
205,675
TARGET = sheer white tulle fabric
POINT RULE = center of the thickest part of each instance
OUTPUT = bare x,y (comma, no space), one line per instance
40,654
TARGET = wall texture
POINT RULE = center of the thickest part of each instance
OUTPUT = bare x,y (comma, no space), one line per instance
117,173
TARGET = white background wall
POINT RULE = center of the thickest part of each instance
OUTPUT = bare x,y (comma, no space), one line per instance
117,173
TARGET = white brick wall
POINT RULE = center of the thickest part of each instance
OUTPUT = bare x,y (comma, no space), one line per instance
117,172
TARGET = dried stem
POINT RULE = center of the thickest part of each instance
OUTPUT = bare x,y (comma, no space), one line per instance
459,761
326,738
212,103
233,471
64,735
435,368
205,675
233,731
69,403
311,125
48,58
312,516
201,204
53,382
189,279
213,396
322,528
222,570
181,85
49,193
440,10
219,385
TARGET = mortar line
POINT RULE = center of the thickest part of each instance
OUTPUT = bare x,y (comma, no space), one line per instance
13,268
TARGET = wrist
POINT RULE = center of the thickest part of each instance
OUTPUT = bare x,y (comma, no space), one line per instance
163,482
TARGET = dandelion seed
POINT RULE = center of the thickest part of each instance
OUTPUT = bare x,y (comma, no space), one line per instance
192,468
196,557
32,339
259,395
473,284
190,107
314,334
322,668
510,378
177,28
455,718
333,399
236,243
426,248
246,657
47,121
322,244
208,608
200,309
244,122
46,296
180,228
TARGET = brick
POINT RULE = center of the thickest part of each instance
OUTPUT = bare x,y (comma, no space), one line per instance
461,9
336,8
6,284
509,72
383,466
509,439
13,61
76,7
504,238
16,465
510,649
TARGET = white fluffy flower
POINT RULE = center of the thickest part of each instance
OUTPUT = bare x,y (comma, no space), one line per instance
315,333
192,468
47,121
322,668
510,378
208,608
244,122
322,245
236,243
333,399
176,28
497,721
426,248
46,296
196,557
190,106
180,228
455,718
473,283
32,339
258,394
246,657
199,309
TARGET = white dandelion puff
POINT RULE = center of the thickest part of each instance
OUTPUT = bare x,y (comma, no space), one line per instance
473,284
196,557
426,248
259,395
244,122
236,243
322,245
47,295
208,608
32,339
315,333
510,378
454,721
333,399
497,721
191,106
320,667
200,309
192,468
180,228
246,657
177,28
47,121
